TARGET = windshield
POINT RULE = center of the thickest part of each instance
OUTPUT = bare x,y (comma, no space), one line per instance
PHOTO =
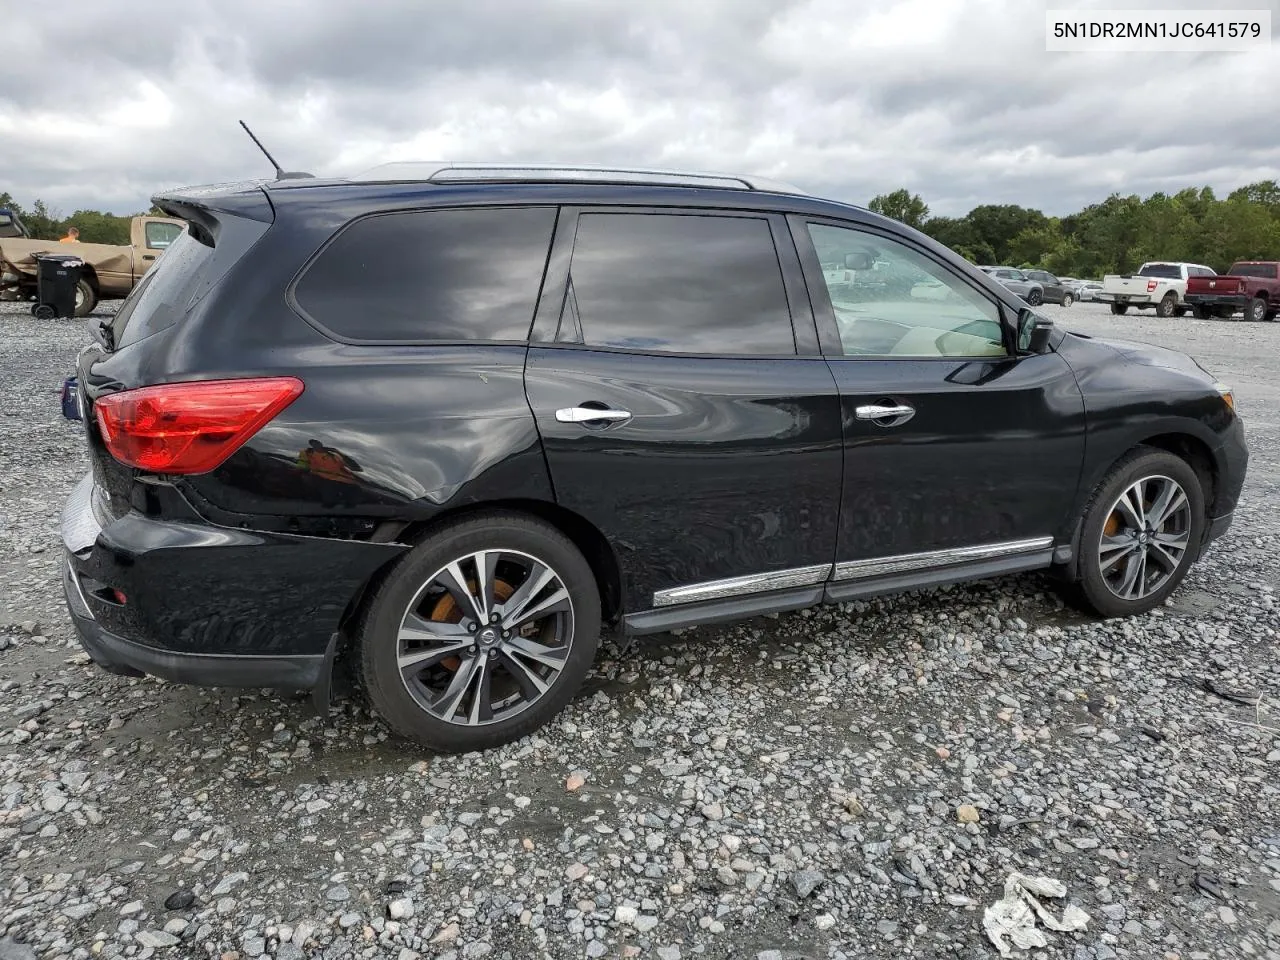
1168,271
10,225
1266,271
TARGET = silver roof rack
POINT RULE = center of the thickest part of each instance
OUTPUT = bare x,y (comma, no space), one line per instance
445,172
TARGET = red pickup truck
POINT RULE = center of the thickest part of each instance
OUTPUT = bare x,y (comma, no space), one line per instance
1251,286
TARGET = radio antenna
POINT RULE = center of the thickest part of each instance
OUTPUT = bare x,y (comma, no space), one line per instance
281,174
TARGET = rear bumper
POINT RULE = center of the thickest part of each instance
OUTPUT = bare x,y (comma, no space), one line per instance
196,603
118,655
1236,301
1130,299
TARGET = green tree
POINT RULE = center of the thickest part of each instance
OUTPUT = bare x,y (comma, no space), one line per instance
901,205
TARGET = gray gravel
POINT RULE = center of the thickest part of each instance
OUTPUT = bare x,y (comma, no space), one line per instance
790,787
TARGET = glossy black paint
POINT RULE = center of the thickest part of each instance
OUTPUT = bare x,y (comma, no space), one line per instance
729,466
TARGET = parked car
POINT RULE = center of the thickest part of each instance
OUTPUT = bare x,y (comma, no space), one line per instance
1014,279
109,273
1251,287
441,425
11,224
1089,289
1156,285
1053,289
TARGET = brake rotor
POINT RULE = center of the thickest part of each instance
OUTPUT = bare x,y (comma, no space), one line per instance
1110,528
446,610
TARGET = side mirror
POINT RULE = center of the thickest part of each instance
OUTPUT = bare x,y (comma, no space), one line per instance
857,261
1033,332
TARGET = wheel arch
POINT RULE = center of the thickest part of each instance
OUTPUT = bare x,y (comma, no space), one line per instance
593,545
1183,444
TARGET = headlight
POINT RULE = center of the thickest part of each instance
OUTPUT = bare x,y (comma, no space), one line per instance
1228,395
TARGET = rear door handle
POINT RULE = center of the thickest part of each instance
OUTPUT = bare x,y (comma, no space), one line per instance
588,414
876,411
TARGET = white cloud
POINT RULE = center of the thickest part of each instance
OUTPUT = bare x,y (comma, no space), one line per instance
955,100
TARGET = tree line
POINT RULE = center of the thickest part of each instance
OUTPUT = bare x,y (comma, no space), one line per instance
1115,236
45,223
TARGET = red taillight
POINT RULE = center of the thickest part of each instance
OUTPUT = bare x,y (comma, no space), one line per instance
189,427
1151,286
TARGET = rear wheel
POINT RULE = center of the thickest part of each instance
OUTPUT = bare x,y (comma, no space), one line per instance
86,298
1141,532
1167,305
1201,313
1119,309
1255,310
481,634
1068,299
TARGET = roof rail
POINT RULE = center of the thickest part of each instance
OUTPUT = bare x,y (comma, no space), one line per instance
445,172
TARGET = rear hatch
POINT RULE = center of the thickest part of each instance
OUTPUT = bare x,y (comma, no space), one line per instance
224,222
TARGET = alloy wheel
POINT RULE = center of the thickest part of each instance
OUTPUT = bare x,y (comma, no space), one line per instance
1145,538
485,637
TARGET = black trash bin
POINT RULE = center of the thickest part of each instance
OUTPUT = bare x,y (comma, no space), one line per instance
57,276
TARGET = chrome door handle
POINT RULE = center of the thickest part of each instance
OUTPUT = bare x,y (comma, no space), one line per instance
588,414
877,412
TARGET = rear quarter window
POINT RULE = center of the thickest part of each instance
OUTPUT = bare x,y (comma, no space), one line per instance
1264,271
430,276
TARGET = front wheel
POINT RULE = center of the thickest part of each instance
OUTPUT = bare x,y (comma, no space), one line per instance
1119,309
1035,298
481,634
1140,533
1068,299
1167,305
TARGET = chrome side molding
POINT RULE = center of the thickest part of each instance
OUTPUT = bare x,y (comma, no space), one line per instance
740,586
880,566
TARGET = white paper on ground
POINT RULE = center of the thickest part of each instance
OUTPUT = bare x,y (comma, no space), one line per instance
1013,916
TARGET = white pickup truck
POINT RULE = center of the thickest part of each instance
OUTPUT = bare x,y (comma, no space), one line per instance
1157,284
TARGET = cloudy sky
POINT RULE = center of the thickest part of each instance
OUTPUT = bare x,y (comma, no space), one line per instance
955,99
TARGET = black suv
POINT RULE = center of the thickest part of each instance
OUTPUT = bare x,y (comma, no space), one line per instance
441,423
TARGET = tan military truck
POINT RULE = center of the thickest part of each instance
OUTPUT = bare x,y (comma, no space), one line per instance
110,272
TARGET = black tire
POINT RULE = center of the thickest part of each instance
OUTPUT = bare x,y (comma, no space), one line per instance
378,628
86,298
1035,297
1201,313
1119,309
1092,591
1255,310
1068,299
1167,305
1180,311
42,311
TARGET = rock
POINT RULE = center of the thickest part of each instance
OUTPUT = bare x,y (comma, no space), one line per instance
401,909
824,921
11,950
596,949
713,811
80,910
156,939
291,951
349,920
338,894
645,923
625,914
179,900
446,934
967,813
886,927
228,883
769,955
576,871
177,926
664,953
473,951
807,881
574,782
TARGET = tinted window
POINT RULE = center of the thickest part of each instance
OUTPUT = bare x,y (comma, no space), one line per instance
677,284
160,235
431,275
891,300
1263,270
1166,271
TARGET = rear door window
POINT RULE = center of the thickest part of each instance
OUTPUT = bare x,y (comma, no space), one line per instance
160,235
430,276
677,283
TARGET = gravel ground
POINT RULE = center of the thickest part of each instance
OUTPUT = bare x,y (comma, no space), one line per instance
847,782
